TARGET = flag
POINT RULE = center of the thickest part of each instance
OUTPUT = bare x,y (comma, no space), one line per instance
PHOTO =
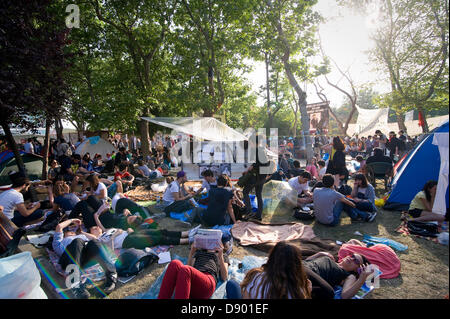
421,119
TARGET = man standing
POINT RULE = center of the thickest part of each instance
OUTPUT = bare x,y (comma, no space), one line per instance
393,145
382,140
28,146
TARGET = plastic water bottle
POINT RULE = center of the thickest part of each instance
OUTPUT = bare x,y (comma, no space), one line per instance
158,199
443,238
444,226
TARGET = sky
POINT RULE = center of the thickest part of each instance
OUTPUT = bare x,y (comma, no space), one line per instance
345,38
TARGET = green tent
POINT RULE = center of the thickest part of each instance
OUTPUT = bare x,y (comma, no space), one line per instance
33,165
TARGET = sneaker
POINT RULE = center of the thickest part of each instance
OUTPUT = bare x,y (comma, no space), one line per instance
371,217
110,284
81,292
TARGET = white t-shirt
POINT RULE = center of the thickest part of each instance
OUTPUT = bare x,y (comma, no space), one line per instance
322,171
28,147
118,240
254,288
174,187
9,200
99,188
115,199
297,186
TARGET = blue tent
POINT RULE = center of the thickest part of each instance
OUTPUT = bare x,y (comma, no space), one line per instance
421,165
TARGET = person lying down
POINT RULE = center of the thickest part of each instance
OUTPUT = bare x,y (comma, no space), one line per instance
115,238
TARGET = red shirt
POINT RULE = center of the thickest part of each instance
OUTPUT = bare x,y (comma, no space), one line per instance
121,176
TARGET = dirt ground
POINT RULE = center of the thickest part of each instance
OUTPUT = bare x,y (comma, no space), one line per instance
425,265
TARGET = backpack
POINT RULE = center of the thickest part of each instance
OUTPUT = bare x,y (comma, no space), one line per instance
132,261
52,221
303,215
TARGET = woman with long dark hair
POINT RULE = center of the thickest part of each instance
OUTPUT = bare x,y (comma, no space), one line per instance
336,164
282,277
421,206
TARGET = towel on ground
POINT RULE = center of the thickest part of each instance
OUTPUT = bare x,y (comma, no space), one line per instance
254,232
381,255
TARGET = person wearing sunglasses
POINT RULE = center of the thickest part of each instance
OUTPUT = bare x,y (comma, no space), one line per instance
350,273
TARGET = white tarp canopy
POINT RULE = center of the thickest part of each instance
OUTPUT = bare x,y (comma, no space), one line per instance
441,140
207,128
370,120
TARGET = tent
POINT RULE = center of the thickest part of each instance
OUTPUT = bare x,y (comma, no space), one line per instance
33,164
427,161
95,145
207,128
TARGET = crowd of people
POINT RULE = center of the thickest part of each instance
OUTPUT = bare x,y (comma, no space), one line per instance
99,217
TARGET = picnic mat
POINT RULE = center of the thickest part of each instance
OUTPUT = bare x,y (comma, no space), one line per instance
403,229
255,232
95,272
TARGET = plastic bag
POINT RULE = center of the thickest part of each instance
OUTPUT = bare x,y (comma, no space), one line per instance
20,278
159,187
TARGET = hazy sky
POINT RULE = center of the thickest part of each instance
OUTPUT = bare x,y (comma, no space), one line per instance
345,38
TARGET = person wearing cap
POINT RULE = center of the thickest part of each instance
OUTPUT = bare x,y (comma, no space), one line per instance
198,278
14,205
174,201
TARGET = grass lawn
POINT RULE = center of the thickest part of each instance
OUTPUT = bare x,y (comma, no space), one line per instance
425,265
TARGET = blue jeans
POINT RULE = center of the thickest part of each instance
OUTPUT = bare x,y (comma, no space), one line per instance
19,220
337,210
355,213
233,290
366,207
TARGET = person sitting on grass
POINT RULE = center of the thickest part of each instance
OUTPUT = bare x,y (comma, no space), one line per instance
312,168
173,199
209,181
296,170
328,204
198,278
62,197
80,249
220,206
300,184
283,276
124,177
421,207
363,194
13,202
322,169
350,273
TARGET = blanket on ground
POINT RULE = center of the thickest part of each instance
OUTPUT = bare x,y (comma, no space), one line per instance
254,232
381,255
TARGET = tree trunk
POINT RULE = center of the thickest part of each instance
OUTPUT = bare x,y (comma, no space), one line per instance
301,95
13,146
48,124
267,81
59,129
401,122
145,137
